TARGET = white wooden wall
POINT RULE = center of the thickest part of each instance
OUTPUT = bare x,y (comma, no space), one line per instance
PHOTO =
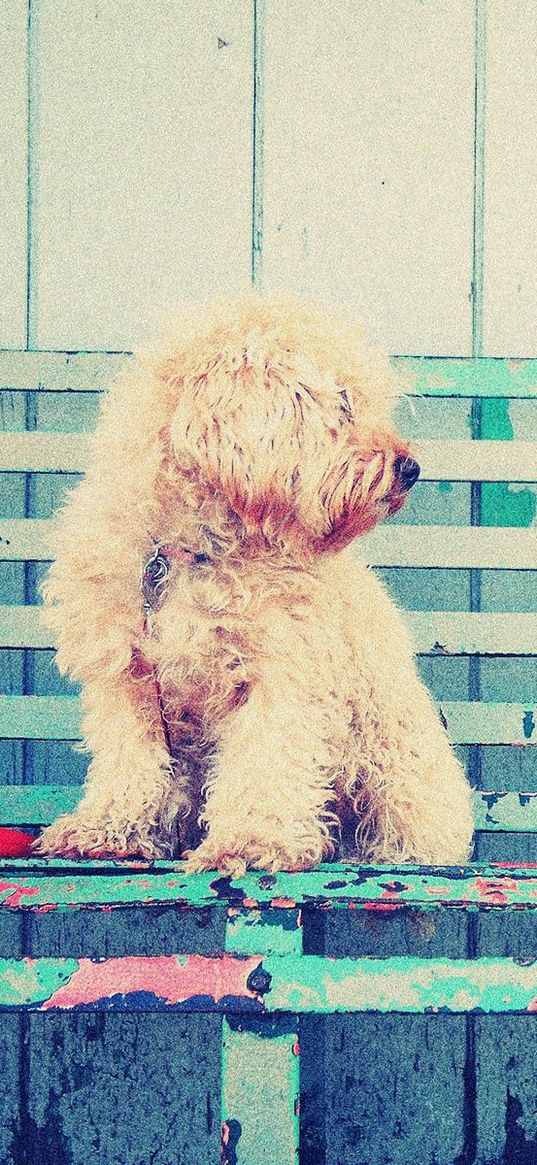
154,149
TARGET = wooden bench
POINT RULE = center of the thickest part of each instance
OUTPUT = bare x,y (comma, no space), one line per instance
473,586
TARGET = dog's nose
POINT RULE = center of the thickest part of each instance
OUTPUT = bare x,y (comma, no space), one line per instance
407,470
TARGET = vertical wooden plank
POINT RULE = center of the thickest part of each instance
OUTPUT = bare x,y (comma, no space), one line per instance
123,1089
506,1051
510,276
13,167
260,1056
394,1087
144,150
369,163
12,587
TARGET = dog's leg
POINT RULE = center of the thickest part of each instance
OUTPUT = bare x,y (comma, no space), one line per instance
269,787
132,795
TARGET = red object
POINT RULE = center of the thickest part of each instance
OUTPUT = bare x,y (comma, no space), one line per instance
15,844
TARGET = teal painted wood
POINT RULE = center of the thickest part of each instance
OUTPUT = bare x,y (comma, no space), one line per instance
473,377
58,371
41,804
297,984
260,1057
30,885
467,722
435,632
423,376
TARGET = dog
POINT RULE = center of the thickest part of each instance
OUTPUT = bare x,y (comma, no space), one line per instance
249,692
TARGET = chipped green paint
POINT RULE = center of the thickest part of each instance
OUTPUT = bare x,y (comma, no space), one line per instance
330,885
261,1123
528,725
295,984
401,984
503,504
516,812
461,376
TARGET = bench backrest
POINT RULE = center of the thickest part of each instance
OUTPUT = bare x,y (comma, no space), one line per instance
459,558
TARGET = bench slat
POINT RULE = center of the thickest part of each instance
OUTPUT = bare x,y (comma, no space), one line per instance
423,376
435,632
37,884
516,461
41,804
303,984
29,539
467,722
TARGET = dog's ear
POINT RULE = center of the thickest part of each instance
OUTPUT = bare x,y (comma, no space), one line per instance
242,441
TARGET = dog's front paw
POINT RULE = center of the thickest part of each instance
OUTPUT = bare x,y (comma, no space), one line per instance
74,836
234,856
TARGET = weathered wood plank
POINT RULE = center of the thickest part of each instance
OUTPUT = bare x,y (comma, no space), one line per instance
477,460
34,452
236,984
448,547
435,632
56,884
467,722
479,377
41,804
435,376
261,1123
396,545
14,170
170,112
347,137
468,632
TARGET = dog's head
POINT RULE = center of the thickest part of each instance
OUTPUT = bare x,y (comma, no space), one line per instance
283,412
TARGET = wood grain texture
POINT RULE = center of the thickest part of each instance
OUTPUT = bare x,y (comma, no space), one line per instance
144,146
511,175
13,167
353,168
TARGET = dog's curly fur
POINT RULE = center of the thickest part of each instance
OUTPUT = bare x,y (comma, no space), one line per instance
256,432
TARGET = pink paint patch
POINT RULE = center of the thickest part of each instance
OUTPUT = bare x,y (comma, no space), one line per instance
19,892
494,892
437,890
173,978
532,1005
283,903
382,905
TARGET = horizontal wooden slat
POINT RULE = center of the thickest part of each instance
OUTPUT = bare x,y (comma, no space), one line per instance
39,718
36,804
37,883
41,804
59,371
467,722
428,546
20,627
483,722
513,812
473,633
480,377
43,452
485,547
435,632
477,460
516,461
305,984
423,376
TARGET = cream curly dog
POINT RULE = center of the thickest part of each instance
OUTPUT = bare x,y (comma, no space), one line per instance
267,711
